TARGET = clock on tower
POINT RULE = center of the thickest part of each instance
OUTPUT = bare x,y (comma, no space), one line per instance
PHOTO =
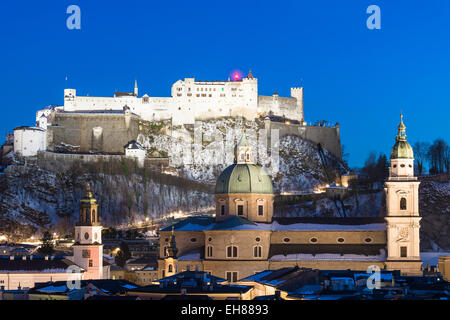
88,247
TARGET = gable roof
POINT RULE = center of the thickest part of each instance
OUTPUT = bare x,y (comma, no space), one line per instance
35,264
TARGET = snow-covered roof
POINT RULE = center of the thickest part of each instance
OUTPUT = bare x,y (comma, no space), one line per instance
432,258
133,144
284,224
29,128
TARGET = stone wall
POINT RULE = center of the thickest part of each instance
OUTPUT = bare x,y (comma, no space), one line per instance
59,162
106,132
328,137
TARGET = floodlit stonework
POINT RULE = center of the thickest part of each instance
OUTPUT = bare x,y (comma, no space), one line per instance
195,100
239,242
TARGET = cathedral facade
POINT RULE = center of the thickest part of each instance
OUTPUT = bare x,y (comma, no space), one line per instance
244,237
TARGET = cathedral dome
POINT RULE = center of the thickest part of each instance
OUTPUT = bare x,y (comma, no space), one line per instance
244,178
402,149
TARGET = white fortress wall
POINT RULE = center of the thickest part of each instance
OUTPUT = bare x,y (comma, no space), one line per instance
195,100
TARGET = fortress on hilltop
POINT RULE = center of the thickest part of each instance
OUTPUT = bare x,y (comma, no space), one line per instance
196,100
103,125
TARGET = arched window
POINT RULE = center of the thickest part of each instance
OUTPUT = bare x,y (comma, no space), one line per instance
260,210
403,204
170,268
232,252
257,251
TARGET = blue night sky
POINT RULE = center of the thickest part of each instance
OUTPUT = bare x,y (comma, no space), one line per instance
358,77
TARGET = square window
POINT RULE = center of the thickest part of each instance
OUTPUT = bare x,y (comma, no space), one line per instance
240,210
403,252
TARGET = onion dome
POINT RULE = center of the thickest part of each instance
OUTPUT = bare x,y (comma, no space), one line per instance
88,198
401,149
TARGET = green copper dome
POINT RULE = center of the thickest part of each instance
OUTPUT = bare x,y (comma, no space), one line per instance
401,148
244,178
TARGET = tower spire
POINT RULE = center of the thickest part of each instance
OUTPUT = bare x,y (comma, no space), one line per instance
172,248
401,134
135,88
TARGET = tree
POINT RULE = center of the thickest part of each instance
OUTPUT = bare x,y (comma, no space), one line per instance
375,168
438,156
47,244
421,155
123,255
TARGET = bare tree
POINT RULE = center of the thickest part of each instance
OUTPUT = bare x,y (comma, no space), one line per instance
421,155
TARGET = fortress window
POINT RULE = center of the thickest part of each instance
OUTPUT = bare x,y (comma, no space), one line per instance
260,210
209,251
340,240
240,210
257,251
286,240
403,204
313,240
232,252
368,240
193,239
222,210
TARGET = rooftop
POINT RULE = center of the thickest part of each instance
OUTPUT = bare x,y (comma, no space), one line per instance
281,224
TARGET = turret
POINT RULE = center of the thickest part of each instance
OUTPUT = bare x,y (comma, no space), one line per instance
402,155
297,93
135,88
89,209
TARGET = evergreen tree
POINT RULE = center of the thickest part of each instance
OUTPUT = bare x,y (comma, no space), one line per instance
47,244
123,255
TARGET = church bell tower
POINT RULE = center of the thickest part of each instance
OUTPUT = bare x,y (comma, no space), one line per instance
171,261
88,247
402,207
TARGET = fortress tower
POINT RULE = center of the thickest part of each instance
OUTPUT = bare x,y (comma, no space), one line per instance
88,247
402,205
297,93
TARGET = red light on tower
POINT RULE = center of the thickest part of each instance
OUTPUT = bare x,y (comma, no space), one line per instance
236,75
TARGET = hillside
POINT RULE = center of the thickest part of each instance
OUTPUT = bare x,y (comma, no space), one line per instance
33,198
